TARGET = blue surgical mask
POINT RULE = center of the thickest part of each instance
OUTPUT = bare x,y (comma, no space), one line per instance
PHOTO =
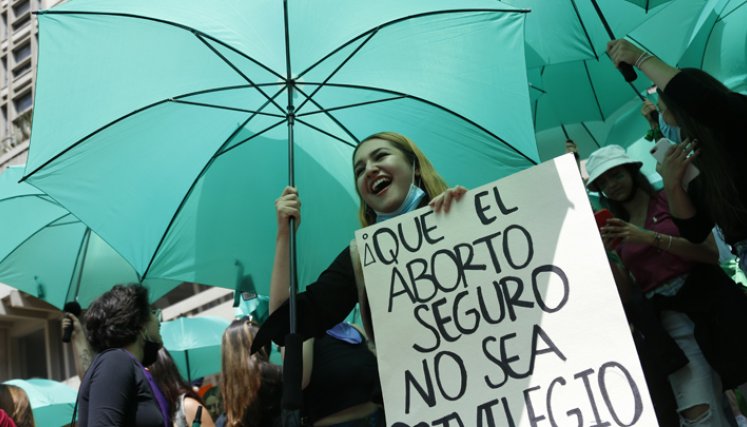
414,195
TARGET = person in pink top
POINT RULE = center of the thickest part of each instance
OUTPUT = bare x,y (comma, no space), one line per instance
695,298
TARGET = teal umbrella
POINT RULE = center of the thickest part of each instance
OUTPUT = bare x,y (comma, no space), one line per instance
719,43
48,253
51,401
648,4
165,126
592,90
194,344
624,127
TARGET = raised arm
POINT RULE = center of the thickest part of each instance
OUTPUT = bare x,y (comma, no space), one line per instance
287,206
82,351
657,70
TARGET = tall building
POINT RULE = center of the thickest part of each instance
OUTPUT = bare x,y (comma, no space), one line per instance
19,45
30,336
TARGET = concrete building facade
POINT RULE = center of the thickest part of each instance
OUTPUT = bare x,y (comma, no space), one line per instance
30,335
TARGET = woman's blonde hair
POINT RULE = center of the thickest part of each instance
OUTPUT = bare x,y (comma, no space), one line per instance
430,181
241,372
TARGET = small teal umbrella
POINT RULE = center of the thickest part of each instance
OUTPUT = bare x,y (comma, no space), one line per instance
194,344
51,401
48,253
592,90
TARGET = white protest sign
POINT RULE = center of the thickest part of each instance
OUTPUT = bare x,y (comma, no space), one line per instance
502,312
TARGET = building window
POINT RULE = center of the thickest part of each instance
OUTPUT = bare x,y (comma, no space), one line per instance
22,69
22,52
4,70
23,102
3,26
21,8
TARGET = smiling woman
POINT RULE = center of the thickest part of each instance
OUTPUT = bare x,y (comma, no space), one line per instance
392,176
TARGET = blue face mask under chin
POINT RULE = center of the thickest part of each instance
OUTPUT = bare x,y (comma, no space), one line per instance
411,202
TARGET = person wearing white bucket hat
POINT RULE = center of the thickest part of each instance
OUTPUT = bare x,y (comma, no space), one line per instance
668,268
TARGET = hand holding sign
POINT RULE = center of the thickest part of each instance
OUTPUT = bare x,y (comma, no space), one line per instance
503,312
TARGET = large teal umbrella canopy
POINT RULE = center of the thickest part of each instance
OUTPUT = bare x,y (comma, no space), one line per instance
48,253
51,401
194,344
164,125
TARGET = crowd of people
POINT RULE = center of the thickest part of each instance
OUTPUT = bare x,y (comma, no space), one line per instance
680,304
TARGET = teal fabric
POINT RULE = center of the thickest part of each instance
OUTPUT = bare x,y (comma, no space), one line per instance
648,4
195,342
48,253
51,401
593,89
719,43
144,131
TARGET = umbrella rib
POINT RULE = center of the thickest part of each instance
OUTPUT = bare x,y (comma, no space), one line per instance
713,28
331,117
31,236
357,104
236,69
82,252
722,17
432,104
269,128
565,132
593,90
583,27
189,192
590,134
225,88
325,132
220,153
162,21
132,113
404,18
338,68
223,107
90,135
540,90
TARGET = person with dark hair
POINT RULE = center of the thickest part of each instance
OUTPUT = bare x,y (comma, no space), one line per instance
250,385
713,119
15,403
670,271
117,390
182,400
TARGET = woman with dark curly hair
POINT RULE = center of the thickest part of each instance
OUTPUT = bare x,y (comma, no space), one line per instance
117,390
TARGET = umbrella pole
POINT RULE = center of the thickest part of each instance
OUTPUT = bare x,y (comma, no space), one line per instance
189,370
292,364
625,69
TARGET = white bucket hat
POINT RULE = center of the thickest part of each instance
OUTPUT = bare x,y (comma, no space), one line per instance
604,159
